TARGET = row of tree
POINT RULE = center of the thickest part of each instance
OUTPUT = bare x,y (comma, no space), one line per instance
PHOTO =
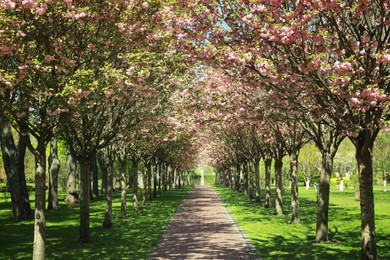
294,71
99,75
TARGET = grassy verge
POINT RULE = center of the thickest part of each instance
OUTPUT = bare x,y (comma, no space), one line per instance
275,238
131,238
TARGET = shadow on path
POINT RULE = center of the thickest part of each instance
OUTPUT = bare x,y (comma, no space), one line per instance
203,229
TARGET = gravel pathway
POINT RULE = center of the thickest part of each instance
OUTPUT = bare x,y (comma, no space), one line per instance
204,229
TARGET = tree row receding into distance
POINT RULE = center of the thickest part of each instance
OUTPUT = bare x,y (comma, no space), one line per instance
159,81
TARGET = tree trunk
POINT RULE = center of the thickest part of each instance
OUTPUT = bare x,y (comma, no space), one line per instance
71,187
103,170
123,188
95,178
155,182
246,179
159,174
179,178
149,177
40,201
54,168
278,187
107,223
237,179
363,144
323,198
134,170
13,159
145,186
267,163
307,182
85,173
257,180
296,216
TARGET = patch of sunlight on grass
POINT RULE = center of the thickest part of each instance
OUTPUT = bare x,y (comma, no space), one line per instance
130,238
275,238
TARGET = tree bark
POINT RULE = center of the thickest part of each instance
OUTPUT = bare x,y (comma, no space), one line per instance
85,173
123,188
363,145
323,198
103,170
257,180
267,163
134,170
107,223
54,168
145,186
296,216
13,159
149,177
40,201
71,187
237,179
95,177
155,182
278,187
251,180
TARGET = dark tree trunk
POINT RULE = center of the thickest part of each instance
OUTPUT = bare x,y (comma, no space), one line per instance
71,187
54,168
296,216
13,159
145,187
85,173
267,163
245,179
40,201
179,178
251,180
159,174
257,180
363,145
237,179
123,188
155,182
107,223
95,178
323,198
134,170
278,186
103,170
149,177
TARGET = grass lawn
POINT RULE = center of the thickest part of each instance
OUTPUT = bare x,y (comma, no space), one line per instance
275,238
131,238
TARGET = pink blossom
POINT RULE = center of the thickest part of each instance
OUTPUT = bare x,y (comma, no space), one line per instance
49,57
145,5
385,58
8,4
355,101
29,4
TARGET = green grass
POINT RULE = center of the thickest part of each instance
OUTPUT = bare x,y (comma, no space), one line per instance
275,238
131,238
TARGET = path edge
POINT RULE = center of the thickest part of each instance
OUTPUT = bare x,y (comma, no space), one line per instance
251,250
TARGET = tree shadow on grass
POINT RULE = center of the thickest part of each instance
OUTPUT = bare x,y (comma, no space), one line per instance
130,238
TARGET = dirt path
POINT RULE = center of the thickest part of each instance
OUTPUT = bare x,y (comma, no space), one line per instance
203,229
